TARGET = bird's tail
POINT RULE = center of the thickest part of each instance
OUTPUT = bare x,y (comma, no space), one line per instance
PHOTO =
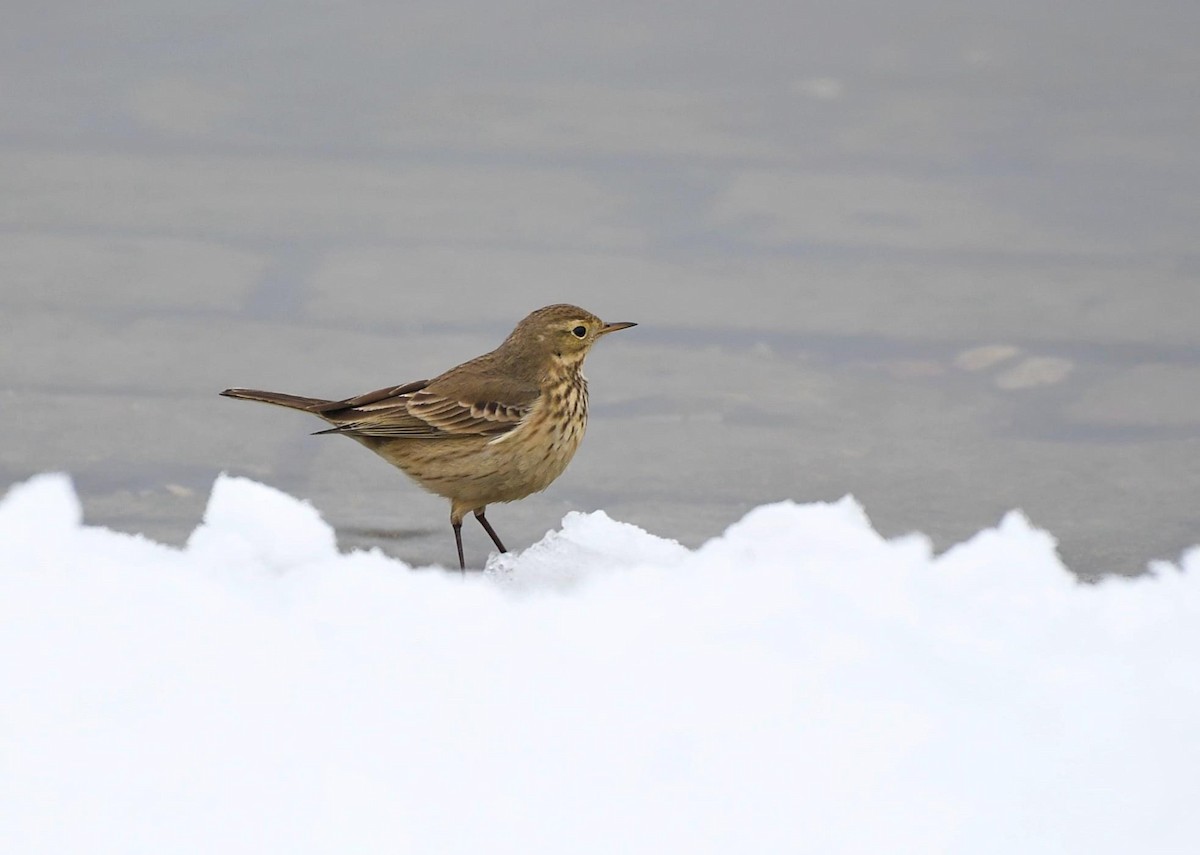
292,402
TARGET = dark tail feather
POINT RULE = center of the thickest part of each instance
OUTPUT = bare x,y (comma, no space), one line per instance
292,402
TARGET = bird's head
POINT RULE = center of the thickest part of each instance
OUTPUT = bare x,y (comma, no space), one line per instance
562,333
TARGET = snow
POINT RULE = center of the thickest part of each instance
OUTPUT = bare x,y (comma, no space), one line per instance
798,684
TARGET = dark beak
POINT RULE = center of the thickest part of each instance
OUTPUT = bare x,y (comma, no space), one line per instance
620,325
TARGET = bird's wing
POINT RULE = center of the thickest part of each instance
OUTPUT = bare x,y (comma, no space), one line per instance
467,406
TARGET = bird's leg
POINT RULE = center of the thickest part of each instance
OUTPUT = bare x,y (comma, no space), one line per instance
487,526
456,524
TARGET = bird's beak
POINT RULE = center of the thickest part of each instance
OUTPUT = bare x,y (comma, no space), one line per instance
620,325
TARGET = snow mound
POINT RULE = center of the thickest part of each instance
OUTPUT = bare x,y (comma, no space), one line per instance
798,684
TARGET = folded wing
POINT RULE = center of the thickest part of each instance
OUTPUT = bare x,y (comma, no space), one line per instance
434,409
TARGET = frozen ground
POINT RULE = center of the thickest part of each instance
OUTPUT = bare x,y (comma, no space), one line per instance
797,684
939,256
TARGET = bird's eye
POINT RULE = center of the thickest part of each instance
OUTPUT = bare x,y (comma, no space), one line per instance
580,331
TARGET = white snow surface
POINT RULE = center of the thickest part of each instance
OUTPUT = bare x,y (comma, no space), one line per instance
798,684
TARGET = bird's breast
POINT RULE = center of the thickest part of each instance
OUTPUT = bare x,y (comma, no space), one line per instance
538,450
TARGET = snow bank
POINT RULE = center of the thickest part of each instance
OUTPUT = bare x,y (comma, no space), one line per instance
798,684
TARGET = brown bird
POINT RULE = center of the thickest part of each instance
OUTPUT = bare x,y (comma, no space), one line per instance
494,429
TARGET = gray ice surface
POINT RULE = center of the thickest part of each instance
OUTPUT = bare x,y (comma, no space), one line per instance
941,256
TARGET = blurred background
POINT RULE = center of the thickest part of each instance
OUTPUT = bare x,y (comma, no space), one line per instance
939,255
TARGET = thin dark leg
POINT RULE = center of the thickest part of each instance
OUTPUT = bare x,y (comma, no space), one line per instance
487,526
462,562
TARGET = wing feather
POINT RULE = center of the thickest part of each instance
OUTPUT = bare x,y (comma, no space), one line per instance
433,410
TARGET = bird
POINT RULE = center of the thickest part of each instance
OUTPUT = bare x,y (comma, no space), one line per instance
494,429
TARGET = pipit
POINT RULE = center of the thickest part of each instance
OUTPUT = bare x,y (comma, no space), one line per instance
494,429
